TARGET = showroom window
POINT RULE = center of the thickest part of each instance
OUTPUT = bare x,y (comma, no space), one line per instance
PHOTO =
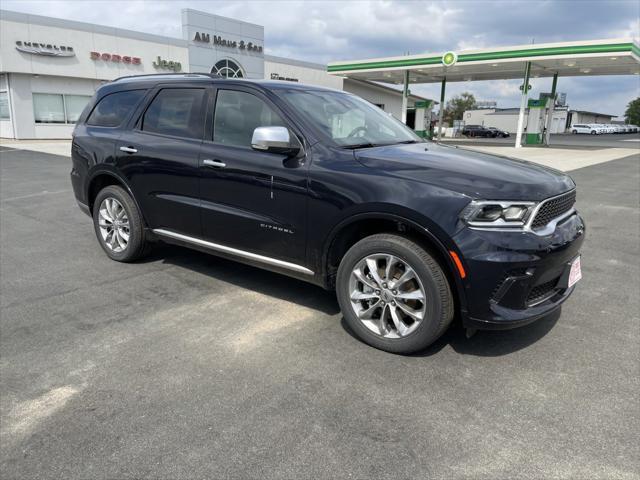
4,106
73,105
176,112
58,108
48,108
227,68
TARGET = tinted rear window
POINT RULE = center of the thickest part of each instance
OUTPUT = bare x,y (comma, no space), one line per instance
113,109
176,112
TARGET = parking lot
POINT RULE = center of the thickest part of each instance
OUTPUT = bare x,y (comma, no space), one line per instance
564,140
190,366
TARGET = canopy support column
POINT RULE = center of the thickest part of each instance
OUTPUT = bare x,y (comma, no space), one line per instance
550,111
405,96
523,105
441,113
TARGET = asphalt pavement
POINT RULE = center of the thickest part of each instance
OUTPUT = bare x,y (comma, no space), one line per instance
189,366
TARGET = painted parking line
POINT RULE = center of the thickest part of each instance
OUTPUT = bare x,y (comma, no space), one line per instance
39,194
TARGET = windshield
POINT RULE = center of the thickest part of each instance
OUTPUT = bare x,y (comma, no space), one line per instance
347,120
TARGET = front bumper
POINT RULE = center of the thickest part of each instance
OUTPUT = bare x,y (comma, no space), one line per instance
515,278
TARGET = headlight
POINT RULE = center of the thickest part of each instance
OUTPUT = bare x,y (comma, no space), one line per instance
494,214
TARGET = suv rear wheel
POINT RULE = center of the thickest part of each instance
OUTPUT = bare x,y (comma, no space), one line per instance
393,294
118,224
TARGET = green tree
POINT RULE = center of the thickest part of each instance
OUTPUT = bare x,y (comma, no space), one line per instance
632,115
458,105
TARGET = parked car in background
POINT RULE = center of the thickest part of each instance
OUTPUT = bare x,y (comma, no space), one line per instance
325,187
634,128
588,128
498,133
477,131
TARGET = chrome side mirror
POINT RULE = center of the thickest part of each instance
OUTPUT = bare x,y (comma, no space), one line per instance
274,140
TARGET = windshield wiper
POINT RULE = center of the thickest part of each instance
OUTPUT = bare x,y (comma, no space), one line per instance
369,144
360,145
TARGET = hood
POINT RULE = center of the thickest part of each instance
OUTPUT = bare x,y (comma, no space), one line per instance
477,175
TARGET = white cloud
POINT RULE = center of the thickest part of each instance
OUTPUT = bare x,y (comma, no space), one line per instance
475,42
632,30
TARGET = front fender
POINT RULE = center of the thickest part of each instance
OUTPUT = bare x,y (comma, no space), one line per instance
388,212
427,230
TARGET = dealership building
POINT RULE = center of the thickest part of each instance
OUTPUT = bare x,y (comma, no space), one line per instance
49,67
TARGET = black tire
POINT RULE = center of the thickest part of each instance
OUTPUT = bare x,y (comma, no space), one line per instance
593,132
136,245
439,310
574,132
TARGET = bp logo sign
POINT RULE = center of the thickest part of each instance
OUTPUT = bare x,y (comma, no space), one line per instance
449,59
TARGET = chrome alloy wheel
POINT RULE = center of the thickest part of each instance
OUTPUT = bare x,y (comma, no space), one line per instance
114,225
387,295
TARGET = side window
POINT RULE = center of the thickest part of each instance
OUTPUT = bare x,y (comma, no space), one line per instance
177,112
113,109
238,114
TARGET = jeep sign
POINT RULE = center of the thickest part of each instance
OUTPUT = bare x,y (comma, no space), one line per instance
159,63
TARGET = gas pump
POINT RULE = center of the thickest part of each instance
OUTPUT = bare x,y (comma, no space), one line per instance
424,110
536,120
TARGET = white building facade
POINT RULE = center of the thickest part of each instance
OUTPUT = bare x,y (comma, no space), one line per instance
49,68
507,118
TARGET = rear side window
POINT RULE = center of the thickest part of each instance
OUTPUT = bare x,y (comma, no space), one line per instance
113,109
176,112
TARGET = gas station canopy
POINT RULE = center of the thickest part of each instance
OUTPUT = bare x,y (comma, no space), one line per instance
567,59
588,58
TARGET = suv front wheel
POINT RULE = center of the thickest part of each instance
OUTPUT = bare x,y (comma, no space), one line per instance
393,294
118,224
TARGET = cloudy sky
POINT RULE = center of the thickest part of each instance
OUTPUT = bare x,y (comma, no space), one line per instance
323,31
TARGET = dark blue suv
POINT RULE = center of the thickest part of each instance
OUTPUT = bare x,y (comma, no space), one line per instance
323,186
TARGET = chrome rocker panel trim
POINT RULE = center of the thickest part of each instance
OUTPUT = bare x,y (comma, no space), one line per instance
234,251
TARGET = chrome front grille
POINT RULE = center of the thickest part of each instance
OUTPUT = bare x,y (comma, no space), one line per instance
553,208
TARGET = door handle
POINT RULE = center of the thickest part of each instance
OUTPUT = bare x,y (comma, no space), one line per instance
129,149
213,163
